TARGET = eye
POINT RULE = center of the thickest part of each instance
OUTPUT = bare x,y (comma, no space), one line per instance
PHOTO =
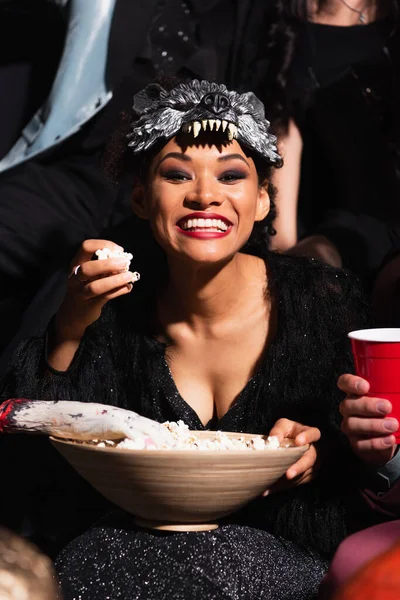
175,175
232,176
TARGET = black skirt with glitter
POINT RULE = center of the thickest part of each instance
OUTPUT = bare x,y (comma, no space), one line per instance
117,561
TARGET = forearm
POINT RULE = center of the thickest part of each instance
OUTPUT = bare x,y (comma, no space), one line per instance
62,346
287,180
62,354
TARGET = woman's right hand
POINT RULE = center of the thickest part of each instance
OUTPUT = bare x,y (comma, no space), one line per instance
91,285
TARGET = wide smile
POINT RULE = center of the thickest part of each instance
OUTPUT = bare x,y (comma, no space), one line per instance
204,226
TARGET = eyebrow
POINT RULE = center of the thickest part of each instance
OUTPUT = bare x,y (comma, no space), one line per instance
177,155
187,158
226,157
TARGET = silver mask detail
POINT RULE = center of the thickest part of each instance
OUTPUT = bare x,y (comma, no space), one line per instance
201,105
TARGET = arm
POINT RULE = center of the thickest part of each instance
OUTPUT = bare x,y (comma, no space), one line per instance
91,285
370,432
79,349
287,180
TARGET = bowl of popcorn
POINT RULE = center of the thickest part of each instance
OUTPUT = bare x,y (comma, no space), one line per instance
188,484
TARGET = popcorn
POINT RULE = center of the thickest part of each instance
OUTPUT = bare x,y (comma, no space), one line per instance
105,253
184,439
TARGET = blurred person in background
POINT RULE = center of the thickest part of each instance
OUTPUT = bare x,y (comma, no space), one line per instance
377,580
25,573
329,75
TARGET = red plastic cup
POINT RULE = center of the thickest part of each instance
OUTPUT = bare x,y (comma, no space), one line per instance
377,359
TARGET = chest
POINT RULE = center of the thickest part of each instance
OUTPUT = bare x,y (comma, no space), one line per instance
211,372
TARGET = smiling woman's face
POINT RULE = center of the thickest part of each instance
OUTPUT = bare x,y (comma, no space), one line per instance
202,200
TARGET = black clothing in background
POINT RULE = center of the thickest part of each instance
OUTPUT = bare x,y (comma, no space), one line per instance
343,87
120,363
49,206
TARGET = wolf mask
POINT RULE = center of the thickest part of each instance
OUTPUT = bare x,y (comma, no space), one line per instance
201,105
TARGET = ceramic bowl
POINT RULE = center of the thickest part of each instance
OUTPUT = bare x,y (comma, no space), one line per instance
179,489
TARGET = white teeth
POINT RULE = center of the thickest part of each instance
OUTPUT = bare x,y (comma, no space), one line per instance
204,124
211,123
217,224
217,124
232,131
224,125
196,128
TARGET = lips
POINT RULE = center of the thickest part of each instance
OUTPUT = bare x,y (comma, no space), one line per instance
204,225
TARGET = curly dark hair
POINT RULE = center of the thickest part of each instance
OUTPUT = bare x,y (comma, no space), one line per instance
276,51
120,164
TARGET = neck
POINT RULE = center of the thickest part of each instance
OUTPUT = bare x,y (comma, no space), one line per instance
209,294
337,12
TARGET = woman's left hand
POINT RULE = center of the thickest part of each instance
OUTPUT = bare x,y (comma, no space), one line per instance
304,469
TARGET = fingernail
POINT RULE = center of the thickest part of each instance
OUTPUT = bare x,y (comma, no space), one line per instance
266,493
388,441
390,424
291,474
128,276
383,407
361,386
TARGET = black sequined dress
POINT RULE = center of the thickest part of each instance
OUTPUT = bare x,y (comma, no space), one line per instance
278,546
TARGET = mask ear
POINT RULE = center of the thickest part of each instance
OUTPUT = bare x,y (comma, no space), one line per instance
138,201
263,203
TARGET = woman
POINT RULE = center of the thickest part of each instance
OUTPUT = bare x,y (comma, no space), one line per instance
332,88
218,332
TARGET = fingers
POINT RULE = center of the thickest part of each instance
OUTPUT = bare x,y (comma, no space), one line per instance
360,426
353,385
304,465
301,434
125,289
285,482
366,424
89,247
366,446
365,407
283,428
95,269
108,287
